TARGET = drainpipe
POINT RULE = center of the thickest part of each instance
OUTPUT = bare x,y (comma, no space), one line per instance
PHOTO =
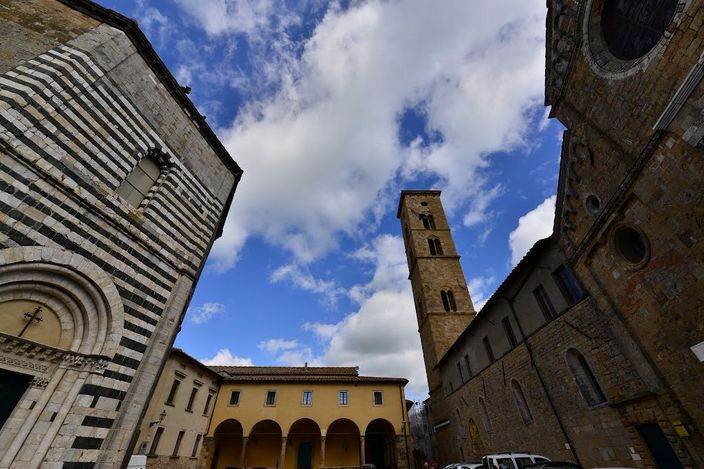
510,301
540,378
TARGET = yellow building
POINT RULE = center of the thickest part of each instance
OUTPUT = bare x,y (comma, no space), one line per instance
178,415
307,417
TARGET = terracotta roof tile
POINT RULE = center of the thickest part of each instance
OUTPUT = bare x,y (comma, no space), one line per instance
299,374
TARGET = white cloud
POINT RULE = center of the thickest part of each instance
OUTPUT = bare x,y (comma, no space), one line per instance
381,337
205,312
154,23
306,281
480,203
322,331
478,290
321,154
232,16
225,358
276,345
532,226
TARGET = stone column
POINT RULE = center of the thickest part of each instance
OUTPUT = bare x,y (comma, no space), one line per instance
361,451
244,450
322,451
282,456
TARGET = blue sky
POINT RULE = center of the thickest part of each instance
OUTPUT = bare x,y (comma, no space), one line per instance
332,108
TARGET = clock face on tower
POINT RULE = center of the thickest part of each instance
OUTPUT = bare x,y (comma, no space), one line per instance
33,321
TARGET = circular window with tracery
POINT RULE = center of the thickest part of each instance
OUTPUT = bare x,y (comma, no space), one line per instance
623,36
633,27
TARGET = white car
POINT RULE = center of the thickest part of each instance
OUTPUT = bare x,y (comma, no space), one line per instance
511,460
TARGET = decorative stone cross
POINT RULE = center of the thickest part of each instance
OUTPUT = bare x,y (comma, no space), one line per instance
33,316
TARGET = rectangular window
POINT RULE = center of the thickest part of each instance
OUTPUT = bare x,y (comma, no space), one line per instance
195,446
155,441
207,404
459,372
569,285
307,398
172,393
270,398
378,398
489,351
509,332
541,296
179,438
342,398
235,398
191,399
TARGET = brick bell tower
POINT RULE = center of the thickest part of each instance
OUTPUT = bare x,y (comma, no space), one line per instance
443,306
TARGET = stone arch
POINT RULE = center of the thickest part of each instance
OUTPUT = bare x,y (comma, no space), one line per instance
303,445
81,294
88,308
225,449
264,445
342,442
584,378
380,444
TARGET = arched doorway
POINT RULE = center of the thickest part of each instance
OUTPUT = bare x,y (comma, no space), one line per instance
226,448
342,444
380,444
303,445
264,445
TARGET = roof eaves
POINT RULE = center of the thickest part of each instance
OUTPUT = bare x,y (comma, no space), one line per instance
194,361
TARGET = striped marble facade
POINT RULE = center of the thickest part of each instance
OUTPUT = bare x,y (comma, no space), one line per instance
74,121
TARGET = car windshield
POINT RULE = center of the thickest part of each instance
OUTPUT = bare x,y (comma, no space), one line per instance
505,463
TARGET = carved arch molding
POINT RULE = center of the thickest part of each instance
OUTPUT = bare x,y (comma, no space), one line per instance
79,293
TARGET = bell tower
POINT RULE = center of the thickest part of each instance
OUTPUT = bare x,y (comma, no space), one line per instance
443,306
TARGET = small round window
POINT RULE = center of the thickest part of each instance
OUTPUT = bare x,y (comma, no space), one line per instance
424,204
631,244
592,204
633,27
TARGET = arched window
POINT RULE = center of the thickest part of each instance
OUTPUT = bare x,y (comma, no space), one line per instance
136,185
435,247
521,402
451,300
448,300
428,221
445,301
585,379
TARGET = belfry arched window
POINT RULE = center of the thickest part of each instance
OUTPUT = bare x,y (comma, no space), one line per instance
585,379
448,300
435,247
521,402
428,221
135,187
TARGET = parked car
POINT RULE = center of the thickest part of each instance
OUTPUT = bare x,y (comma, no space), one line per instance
553,465
511,460
465,465
469,465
